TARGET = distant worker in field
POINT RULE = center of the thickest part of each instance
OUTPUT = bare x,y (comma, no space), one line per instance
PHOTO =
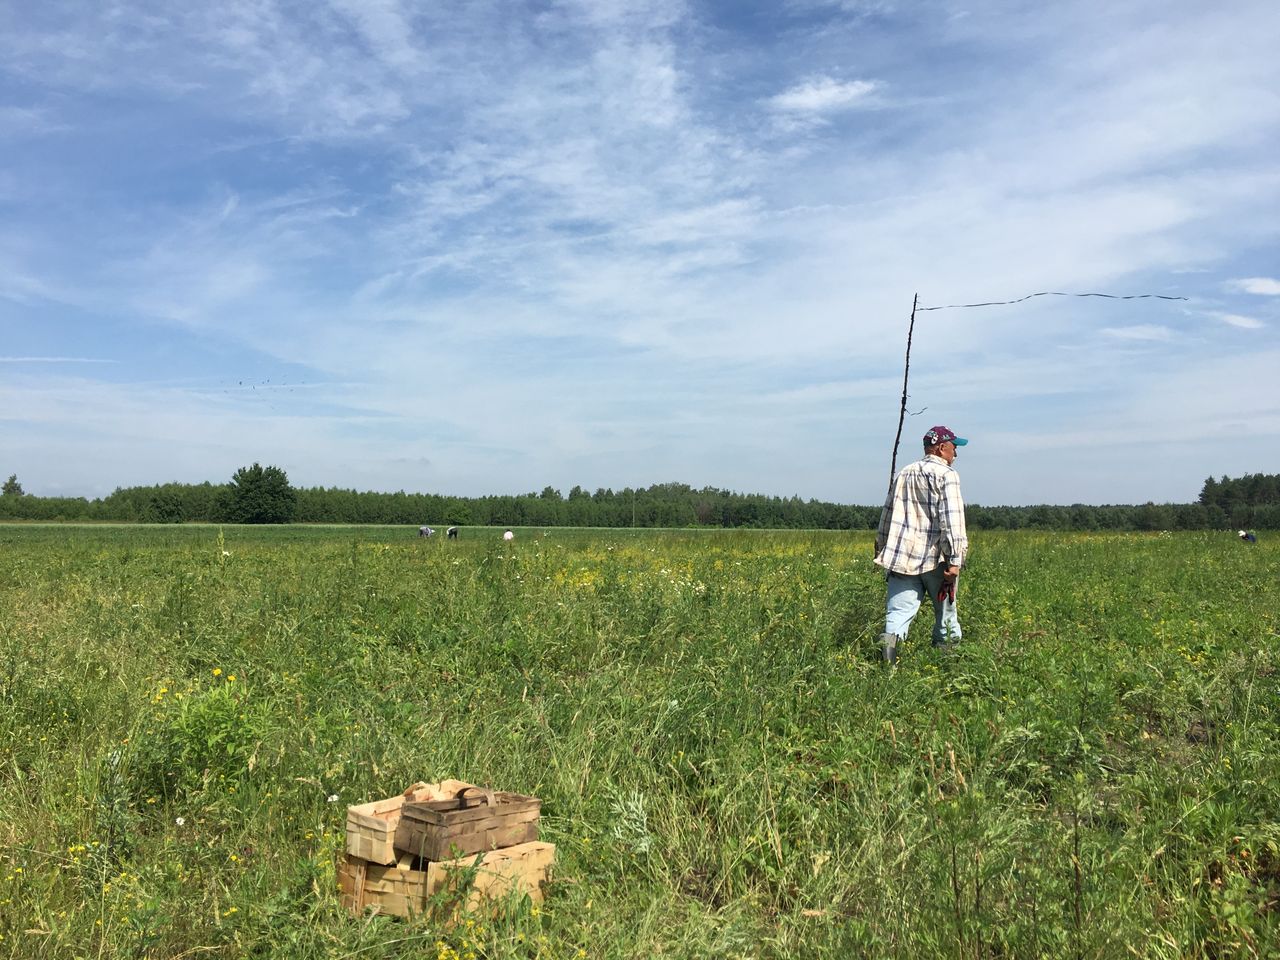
921,543
425,531
452,533
508,535
1248,536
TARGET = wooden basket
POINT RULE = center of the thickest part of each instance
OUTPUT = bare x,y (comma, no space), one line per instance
472,821
405,888
371,827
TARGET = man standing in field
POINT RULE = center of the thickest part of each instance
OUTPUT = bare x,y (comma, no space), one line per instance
921,543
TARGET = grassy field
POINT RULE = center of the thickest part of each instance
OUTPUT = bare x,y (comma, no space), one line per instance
727,771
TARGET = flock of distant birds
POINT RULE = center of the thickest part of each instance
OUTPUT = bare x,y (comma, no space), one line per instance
268,388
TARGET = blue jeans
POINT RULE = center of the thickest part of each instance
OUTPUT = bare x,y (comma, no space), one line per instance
905,596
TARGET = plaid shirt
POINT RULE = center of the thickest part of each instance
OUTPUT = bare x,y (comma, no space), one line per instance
922,524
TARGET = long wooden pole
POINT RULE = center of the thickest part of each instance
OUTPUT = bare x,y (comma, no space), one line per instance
906,372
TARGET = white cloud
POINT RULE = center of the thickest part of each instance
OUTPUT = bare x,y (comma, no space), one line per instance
822,95
1263,286
1142,331
387,29
501,213
27,122
645,14
20,286
1236,320
857,8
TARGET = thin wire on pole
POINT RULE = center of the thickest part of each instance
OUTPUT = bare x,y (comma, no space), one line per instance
1056,293
906,372
915,306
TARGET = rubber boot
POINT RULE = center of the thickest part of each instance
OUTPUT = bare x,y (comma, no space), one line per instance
947,647
889,648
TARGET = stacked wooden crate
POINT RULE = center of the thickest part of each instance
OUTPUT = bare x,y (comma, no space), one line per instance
450,845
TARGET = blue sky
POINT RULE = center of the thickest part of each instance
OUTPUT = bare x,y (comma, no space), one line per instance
485,247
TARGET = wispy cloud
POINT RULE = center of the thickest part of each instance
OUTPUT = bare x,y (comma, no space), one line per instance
492,212
27,122
858,8
820,95
1263,286
1142,331
1237,320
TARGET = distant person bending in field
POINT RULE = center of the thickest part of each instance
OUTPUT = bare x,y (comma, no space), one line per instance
1248,536
508,535
425,531
452,533
921,543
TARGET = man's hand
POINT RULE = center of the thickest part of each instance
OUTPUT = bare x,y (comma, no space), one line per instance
947,592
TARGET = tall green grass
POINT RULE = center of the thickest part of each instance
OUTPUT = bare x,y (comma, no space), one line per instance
725,767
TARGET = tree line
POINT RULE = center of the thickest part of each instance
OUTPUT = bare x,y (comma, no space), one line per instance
1251,490
258,494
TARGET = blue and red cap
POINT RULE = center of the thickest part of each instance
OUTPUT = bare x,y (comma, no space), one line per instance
937,435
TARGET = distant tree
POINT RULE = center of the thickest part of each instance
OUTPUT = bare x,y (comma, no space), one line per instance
1045,517
261,494
1251,490
1153,516
707,511
457,511
163,506
1082,517
1192,516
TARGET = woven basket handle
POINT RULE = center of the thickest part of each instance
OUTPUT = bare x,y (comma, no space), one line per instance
485,792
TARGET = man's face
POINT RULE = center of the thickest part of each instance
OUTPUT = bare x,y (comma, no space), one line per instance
947,451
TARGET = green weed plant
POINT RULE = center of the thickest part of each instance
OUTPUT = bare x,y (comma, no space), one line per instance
726,768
